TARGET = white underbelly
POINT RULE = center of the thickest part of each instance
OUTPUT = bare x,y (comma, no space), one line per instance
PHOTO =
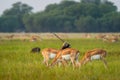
52,55
95,57
66,57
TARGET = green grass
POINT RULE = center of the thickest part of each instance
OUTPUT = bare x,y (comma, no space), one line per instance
17,63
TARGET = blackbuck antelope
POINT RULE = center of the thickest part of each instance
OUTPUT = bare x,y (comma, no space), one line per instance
48,53
65,55
94,54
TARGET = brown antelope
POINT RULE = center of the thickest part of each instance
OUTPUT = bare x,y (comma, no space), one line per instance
65,55
94,54
33,38
48,53
10,36
113,39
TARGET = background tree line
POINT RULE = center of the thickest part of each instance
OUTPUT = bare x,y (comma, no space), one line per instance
67,16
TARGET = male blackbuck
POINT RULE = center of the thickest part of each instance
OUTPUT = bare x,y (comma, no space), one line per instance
65,55
48,53
94,54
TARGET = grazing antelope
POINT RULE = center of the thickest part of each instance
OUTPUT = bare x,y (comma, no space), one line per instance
65,55
48,53
94,54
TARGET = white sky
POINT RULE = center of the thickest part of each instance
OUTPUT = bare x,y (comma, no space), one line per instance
38,5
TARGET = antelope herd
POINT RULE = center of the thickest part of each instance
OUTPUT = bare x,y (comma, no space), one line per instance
107,37
67,55
70,54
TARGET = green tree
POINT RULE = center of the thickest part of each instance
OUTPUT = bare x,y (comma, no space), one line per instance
8,24
86,24
17,11
107,7
70,16
110,22
91,1
67,16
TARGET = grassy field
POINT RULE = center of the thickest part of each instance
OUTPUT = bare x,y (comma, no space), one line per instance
17,63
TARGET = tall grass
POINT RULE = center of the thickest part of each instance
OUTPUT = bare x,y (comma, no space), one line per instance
17,63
